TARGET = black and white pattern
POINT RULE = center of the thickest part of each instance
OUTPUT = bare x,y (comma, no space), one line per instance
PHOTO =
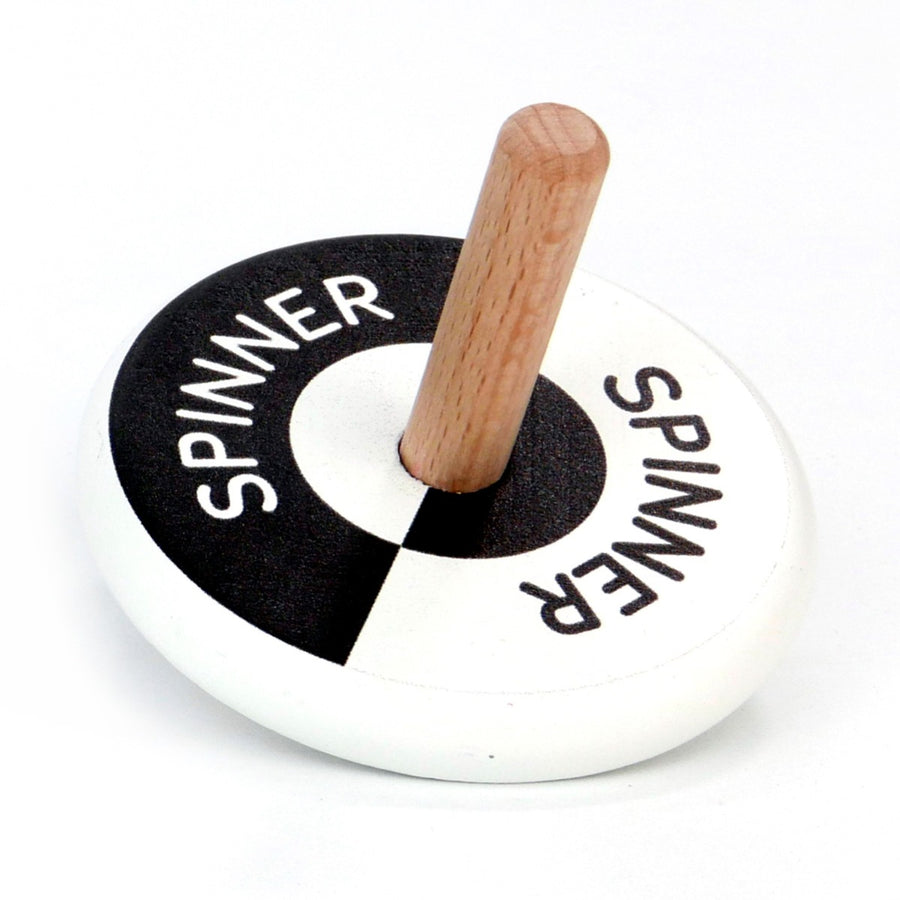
221,395
242,490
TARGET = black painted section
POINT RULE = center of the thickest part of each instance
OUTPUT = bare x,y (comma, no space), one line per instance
553,481
301,573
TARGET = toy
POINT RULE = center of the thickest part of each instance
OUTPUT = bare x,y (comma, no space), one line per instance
617,585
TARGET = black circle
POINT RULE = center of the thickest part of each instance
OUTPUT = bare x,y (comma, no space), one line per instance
552,483
300,571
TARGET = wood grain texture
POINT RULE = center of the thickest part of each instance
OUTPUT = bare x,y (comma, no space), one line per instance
536,202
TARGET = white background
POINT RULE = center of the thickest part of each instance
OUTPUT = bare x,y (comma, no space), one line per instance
753,194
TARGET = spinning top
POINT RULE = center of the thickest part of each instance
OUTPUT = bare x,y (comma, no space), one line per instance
521,566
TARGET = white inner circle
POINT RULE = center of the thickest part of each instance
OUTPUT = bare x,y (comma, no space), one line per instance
345,430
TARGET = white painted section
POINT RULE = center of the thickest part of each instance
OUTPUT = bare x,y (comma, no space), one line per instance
464,624
345,431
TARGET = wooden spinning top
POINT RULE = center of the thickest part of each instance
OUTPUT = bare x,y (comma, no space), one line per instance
594,547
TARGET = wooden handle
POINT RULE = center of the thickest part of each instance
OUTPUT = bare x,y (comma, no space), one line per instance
536,201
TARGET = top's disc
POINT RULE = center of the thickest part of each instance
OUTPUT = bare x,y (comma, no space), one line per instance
626,584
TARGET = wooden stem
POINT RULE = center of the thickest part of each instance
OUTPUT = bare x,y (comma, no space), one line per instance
536,201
